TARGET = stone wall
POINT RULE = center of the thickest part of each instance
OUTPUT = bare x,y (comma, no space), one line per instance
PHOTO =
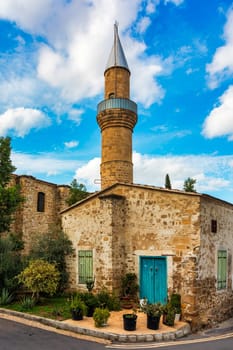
28,220
125,222
147,222
214,305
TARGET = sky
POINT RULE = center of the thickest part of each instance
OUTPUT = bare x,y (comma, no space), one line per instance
53,54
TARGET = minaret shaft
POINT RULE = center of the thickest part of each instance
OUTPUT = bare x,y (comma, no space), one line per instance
117,116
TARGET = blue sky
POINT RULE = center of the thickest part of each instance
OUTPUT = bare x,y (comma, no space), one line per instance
180,52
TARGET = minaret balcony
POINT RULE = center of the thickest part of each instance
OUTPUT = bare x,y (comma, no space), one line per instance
111,103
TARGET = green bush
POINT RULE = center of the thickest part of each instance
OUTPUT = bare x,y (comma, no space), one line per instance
27,303
54,247
11,263
40,276
5,297
101,317
106,300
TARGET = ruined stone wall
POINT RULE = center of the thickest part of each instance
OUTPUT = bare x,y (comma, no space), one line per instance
214,305
28,220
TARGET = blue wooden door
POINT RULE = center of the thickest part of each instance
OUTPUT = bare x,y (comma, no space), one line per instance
153,279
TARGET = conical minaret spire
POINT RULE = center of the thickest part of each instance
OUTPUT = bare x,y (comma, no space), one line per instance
117,116
117,56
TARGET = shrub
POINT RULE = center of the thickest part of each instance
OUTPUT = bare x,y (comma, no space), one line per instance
106,300
101,317
10,258
53,247
129,285
40,276
5,297
91,302
27,303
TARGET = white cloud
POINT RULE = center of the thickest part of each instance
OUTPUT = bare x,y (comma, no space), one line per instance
71,144
220,122
222,63
89,174
175,2
143,24
73,59
75,115
213,173
22,120
42,164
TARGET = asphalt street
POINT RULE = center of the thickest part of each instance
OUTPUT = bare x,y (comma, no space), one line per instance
16,336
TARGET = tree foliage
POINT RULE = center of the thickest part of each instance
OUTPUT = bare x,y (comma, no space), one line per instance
10,197
40,276
167,182
10,261
189,185
53,247
77,192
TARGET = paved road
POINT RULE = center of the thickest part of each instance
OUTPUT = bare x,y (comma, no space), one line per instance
16,336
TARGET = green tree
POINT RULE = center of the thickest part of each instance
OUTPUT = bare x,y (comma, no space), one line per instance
77,192
40,276
167,182
54,247
10,197
10,260
189,185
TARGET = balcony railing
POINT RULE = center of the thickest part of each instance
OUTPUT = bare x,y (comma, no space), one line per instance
117,103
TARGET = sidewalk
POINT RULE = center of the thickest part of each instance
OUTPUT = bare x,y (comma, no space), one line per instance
113,332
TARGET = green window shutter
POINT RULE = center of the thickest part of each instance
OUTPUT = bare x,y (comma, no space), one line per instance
222,269
85,266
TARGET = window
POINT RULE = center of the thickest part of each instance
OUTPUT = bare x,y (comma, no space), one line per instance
111,95
40,201
85,266
222,269
214,226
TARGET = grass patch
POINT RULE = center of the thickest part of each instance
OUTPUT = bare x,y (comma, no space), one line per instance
55,308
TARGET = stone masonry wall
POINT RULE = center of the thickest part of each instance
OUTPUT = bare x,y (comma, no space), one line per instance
28,220
91,225
214,305
125,222
149,223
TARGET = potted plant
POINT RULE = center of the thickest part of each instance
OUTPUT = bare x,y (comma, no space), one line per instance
168,314
91,302
153,312
77,307
129,290
130,321
101,317
176,304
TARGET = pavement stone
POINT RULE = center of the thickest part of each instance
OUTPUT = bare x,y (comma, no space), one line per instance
142,334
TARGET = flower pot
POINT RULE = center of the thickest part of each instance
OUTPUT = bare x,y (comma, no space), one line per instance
77,315
129,321
153,322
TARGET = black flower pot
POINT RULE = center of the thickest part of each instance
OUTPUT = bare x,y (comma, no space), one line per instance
129,321
153,322
77,315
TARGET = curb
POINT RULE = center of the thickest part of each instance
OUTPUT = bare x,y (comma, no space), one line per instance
114,337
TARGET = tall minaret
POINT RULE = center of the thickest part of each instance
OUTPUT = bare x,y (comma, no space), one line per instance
117,116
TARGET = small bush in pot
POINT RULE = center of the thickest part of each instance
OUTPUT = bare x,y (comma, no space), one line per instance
153,312
90,301
101,317
77,307
168,314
